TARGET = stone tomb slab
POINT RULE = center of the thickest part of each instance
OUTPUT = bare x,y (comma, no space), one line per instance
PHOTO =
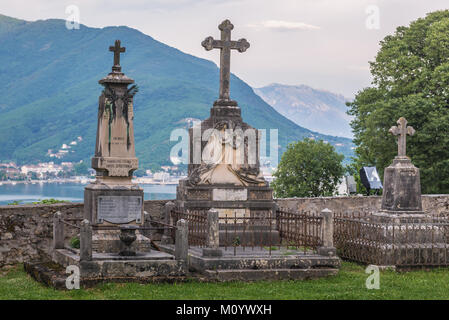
119,209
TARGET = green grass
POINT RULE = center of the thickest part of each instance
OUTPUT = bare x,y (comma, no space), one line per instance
348,284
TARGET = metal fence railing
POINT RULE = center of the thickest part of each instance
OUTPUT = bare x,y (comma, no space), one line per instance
303,230
197,225
267,231
409,243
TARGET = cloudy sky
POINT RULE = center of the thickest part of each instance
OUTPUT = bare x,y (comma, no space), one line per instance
322,43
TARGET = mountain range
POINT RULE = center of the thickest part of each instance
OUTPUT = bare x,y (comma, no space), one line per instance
314,109
50,92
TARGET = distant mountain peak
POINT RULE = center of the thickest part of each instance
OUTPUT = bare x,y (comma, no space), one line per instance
315,109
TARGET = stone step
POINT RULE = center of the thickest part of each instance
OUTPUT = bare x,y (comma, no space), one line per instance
258,262
269,274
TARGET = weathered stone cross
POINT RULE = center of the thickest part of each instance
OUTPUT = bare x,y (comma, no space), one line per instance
402,131
225,45
117,50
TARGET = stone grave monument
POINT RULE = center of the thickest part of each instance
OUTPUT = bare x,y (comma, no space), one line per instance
113,199
224,170
402,185
401,230
111,244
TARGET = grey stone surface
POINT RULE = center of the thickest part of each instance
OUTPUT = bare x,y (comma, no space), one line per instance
182,240
327,228
257,258
225,44
212,252
271,274
402,130
167,237
100,189
432,204
119,209
402,185
58,231
85,241
213,232
26,231
108,241
327,251
113,197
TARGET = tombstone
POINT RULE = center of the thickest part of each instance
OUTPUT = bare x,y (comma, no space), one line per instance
351,184
400,233
224,170
113,199
402,185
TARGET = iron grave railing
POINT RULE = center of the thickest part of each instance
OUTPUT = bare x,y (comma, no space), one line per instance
408,243
277,231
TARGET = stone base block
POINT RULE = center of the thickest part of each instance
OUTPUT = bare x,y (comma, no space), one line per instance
95,190
253,237
209,252
401,256
402,187
403,228
257,259
327,251
271,274
108,241
112,266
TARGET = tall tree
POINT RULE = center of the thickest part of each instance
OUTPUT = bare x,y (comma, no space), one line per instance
411,80
308,168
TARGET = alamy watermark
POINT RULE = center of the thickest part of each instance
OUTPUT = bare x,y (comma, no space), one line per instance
373,280
227,146
73,280
73,20
372,21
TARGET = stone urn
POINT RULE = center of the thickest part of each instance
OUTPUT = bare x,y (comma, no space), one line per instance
127,237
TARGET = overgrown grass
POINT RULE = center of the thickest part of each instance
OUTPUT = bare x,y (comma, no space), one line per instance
348,284
44,201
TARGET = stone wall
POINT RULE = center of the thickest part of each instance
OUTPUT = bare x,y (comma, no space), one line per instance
26,231
432,204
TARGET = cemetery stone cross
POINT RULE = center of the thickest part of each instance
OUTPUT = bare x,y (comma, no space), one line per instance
402,130
225,45
117,50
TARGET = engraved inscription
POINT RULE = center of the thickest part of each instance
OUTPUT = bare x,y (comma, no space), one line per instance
119,209
230,195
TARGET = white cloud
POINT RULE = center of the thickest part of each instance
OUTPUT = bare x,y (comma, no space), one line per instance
281,25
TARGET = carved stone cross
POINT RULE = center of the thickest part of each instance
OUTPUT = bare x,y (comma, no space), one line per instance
225,45
117,50
402,131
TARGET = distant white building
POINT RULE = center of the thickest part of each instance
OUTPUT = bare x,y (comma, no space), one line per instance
41,168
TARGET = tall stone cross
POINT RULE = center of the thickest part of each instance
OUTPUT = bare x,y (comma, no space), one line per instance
117,50
402,131
225,45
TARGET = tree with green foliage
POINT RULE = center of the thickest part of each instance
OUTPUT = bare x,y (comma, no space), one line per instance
308,168
411,80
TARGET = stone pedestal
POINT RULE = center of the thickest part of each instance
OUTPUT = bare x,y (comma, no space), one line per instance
400,233
113,199
236,189
113,203
402,188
